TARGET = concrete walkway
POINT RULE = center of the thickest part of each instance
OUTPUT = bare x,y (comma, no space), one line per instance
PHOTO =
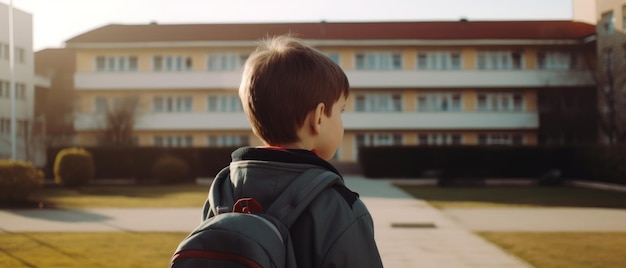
540,219
409,232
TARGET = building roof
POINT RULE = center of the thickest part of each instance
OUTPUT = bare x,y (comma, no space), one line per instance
443,30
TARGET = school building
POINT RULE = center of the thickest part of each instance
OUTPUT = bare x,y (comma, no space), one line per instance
412,83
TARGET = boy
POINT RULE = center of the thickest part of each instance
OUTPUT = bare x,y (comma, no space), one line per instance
293,96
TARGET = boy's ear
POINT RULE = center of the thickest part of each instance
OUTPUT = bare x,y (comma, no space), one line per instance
316,118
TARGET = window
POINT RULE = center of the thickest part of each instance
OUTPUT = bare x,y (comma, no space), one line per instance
378,61
20,55
440,139
226,62
172,104
500,101
555,60
4,51
100,105
223,103
5,89
171,63
227,140
377,139
439,61
378,102
607,23
20,89
116,63
499,60
5,125
334,57
173,141
434,102
500,139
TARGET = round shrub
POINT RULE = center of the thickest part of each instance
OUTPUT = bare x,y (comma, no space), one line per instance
73,167
170,169
18,179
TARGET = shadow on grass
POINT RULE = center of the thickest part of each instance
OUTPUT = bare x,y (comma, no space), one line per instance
522,196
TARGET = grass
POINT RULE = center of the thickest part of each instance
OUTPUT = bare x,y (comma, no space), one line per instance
127,196
77,250
571,250
482,197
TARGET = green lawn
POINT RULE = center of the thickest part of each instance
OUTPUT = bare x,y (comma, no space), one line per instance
127,196
474,197
564,250
79,250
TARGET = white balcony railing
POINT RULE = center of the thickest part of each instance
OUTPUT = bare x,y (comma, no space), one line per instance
358,79
351,120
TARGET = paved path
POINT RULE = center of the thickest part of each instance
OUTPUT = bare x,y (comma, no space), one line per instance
540,219
409,232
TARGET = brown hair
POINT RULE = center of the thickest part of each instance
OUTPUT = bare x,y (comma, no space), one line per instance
283,81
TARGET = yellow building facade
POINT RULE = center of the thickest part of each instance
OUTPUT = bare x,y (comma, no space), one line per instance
409,86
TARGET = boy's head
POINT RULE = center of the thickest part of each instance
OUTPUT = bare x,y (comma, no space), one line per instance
283,82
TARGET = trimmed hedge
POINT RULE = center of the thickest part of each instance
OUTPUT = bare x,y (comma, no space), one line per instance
170,169
601,163
137,162
18,180
73,167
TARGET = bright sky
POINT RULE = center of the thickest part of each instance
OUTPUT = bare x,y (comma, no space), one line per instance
58,20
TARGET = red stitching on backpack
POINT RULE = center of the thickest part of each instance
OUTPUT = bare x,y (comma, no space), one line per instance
203,254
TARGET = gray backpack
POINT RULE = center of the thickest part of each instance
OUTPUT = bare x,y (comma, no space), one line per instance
247,236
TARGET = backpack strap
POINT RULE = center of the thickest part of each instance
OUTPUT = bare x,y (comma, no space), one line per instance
301,192
220,194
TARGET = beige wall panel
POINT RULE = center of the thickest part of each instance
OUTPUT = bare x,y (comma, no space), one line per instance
469,58
469,100
530,58
470,138
409,139
530,98
530,138
409,98
346,58
410,59
347,148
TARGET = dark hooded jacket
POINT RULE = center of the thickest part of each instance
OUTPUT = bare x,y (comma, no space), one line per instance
336,230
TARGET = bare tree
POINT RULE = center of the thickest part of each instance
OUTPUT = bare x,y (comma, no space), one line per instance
120,121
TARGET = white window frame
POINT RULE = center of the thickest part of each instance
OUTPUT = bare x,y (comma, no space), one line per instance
557,60
172,104
378,61
500,139
607,22
226,61
377,139
439,60
500,60
172,63
440,139
223,103
439,102
172,140
227,140
378,102
116,63
500,101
